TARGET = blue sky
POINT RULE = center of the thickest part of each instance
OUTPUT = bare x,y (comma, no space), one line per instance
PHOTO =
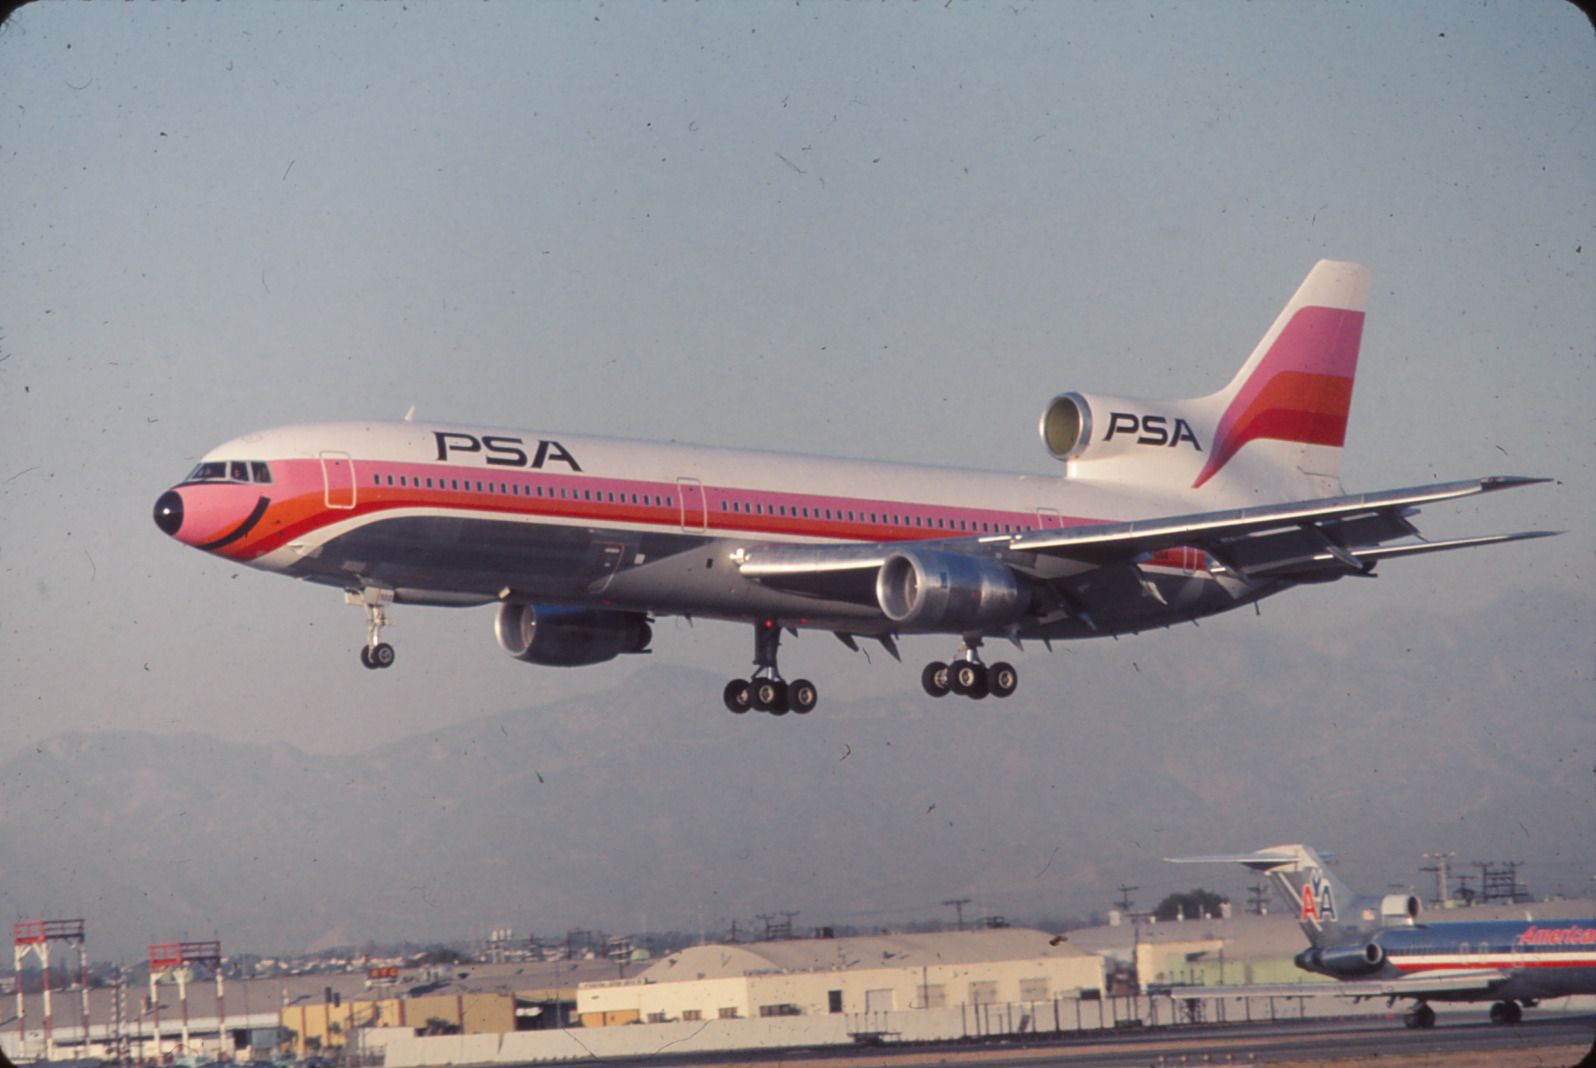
880,230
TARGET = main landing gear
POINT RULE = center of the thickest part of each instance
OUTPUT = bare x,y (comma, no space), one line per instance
1506,1012
376,653
967,676
1420,1017
767,691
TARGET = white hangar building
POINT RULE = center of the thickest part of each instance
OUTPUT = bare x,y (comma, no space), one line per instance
822,976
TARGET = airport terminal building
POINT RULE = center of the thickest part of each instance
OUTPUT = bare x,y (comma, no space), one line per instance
838,976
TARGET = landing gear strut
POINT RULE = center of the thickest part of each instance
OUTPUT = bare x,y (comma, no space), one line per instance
967,676
766,691
376,653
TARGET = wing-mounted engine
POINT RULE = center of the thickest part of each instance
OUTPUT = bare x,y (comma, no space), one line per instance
569,637
1149,442
928,590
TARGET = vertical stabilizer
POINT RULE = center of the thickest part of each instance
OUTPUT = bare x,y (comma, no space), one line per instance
1286,410
1274,433
1324,906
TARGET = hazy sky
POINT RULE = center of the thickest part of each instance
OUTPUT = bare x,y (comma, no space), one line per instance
882,230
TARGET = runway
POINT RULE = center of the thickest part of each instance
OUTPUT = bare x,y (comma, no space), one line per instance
1548,1042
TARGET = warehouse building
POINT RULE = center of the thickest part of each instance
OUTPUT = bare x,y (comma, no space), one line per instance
832,976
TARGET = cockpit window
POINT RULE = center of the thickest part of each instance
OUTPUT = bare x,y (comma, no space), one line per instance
209,471
230,471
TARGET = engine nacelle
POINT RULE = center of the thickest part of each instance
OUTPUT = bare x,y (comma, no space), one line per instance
1399,910
569,637
949,591
1079,426
1343,961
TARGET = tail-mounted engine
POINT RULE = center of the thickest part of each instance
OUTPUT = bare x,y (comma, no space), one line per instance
1079,427
1399,910
949,591
1343,962
569,637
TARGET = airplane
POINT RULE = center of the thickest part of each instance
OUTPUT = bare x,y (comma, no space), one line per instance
1165,512
1378,948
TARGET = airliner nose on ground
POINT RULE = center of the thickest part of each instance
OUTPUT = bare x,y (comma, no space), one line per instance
169,512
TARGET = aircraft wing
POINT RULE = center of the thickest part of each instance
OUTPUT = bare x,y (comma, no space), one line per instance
1296,541
1326,534
1441,987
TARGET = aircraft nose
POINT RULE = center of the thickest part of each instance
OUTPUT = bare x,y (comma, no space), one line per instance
169,512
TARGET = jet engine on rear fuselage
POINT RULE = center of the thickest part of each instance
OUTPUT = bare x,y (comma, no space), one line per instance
1077,427
569,637
1343,962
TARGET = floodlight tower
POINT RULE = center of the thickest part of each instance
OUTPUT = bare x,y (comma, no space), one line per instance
179,958
35,936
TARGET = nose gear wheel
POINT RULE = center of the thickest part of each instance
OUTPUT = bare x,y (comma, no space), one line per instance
376,653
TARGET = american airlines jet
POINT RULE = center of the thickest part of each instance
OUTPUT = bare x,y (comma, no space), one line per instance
1162,513
1377,946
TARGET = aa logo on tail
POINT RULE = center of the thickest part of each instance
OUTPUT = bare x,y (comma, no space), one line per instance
1318,900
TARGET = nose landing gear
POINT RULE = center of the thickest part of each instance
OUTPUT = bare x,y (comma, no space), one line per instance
376,653
967,676
766,691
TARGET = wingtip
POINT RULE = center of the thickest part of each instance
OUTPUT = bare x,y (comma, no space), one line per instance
1499,482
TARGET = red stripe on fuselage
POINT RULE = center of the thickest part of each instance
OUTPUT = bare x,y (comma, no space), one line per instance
299,507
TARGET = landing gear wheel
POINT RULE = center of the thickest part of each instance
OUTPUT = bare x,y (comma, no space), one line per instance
769,695
1420,1017
934,679
802,695
382,655
737,696
1002,678
968,678
365,656
1506,1012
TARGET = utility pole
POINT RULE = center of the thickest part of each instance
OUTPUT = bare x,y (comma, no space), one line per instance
1258,899
1125,898
957,905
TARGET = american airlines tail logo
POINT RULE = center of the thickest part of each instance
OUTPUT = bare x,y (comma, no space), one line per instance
503,451
1151,429
1318,900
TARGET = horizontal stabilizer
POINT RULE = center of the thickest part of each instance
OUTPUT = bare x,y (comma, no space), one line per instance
1267,860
